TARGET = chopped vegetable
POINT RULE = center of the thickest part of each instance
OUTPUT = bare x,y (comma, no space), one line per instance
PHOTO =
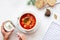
26,19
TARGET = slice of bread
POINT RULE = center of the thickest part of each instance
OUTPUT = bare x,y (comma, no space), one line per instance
51,2
39,4
45,2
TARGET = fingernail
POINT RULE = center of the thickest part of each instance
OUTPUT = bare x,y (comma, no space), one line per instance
17,33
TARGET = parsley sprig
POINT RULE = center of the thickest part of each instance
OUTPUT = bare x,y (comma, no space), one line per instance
31,2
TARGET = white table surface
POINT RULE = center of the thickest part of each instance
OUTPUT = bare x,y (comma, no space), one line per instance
11,9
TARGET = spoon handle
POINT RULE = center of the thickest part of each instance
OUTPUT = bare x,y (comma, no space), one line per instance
57,3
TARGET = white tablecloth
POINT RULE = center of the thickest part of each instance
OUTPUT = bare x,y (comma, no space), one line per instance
11,9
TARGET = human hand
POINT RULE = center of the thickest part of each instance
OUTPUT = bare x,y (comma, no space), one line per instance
6,34
21,36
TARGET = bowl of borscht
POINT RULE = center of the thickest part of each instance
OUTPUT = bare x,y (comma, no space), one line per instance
27,22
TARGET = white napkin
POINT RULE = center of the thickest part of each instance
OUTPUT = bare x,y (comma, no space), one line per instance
53,32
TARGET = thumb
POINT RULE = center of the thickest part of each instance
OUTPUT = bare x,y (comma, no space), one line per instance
10,32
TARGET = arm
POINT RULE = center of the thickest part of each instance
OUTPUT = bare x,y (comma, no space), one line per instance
5,38
6,35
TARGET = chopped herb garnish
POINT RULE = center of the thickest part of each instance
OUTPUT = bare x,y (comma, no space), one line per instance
31,1
26,19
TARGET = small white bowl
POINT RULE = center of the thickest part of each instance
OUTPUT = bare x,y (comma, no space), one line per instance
8,26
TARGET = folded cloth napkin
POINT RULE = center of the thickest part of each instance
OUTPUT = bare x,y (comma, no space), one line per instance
53,32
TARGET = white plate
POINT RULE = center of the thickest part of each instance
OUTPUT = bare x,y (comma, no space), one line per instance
32,30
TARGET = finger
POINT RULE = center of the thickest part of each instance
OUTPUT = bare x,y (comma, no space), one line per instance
10,32
18,34
20,38
2,28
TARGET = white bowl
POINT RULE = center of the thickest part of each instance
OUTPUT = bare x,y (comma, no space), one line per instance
25,30
8,26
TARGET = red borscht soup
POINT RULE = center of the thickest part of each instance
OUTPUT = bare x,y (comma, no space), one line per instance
27,21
